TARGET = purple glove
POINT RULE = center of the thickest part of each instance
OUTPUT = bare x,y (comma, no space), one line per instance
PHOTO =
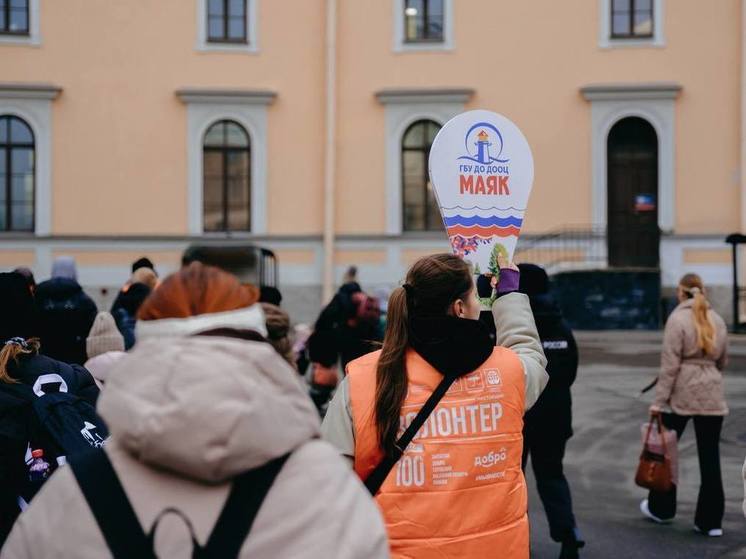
509,280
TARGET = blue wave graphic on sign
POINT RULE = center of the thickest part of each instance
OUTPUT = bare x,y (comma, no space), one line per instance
483,221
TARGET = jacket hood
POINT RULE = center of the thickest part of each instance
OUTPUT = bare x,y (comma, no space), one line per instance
56,288
64,267
206,408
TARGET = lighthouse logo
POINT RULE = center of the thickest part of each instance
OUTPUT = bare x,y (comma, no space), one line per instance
484,144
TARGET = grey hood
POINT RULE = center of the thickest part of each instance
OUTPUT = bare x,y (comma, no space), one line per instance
206,408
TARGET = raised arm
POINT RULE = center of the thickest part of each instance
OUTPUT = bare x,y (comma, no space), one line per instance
516,330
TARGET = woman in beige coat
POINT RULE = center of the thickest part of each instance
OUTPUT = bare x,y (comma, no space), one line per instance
690,386
199,401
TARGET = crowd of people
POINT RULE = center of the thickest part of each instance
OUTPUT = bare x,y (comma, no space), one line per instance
194,418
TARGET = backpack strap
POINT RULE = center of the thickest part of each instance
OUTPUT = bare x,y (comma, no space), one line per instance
122,530
240,510
110,506
376,478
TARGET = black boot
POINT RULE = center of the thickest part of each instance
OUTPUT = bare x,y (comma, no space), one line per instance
569,550
571,546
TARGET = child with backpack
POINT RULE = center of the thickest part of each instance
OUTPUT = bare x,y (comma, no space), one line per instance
46,407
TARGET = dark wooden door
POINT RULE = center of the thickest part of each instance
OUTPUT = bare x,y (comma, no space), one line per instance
633,234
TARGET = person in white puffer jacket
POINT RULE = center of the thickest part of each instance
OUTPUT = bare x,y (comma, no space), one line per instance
201,399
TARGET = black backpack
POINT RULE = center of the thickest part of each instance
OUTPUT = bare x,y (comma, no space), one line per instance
59,423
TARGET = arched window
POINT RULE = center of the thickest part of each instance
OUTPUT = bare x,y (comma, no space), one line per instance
421,211
16,175
227,178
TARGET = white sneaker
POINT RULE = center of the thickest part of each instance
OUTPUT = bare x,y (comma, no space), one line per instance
714,533
645,510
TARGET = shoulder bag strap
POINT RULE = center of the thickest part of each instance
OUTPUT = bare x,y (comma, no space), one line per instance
240,510
379,475
110,506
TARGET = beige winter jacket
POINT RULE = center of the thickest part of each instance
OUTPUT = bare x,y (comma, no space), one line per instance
690,382
186,416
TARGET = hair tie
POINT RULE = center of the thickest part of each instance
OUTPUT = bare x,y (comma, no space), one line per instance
17,341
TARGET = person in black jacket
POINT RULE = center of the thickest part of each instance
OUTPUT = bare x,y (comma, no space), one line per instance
20,369
65,314
548,425
344,331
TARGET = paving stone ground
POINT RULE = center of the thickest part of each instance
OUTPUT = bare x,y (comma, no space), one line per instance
602,457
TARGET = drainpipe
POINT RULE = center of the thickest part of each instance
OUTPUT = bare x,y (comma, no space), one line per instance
330,159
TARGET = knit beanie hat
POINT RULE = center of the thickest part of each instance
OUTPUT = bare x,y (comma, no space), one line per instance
104,336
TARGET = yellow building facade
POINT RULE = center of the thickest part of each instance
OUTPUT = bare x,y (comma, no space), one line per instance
303,126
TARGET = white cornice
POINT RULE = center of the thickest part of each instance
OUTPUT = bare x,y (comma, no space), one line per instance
17,90
226,96
421,96
631,91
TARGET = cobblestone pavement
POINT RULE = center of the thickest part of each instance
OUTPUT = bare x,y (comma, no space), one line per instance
602,457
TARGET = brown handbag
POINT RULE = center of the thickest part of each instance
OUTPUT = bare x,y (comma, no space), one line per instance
654,470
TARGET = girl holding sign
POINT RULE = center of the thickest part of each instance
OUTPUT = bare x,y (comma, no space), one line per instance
433,421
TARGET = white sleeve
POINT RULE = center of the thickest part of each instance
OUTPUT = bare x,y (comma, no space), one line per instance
516,330
337,427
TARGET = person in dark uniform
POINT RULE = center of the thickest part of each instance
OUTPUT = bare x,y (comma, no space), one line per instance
548,425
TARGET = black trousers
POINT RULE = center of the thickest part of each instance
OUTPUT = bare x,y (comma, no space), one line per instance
711,499
547,453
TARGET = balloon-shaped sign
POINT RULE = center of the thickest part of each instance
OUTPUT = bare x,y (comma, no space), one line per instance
482,171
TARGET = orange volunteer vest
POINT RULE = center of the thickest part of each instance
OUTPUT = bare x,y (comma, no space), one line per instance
458,490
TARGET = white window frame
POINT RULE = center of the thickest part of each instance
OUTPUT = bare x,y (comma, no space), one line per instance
33,104
249,109
401,45
605,40
402,109
656,103
33,39
252,31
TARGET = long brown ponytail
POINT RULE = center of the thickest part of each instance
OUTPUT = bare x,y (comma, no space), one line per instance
433,283
13,350
693,287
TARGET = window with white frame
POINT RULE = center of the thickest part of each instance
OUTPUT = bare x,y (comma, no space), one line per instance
26,157
227,160
631,23
412,119
19,22
227,25
423,25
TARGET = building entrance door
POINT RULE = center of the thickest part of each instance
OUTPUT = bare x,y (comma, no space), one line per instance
633,234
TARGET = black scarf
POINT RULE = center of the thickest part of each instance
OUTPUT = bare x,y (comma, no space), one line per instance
453,346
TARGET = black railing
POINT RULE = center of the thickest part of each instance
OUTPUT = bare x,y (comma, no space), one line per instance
571,247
